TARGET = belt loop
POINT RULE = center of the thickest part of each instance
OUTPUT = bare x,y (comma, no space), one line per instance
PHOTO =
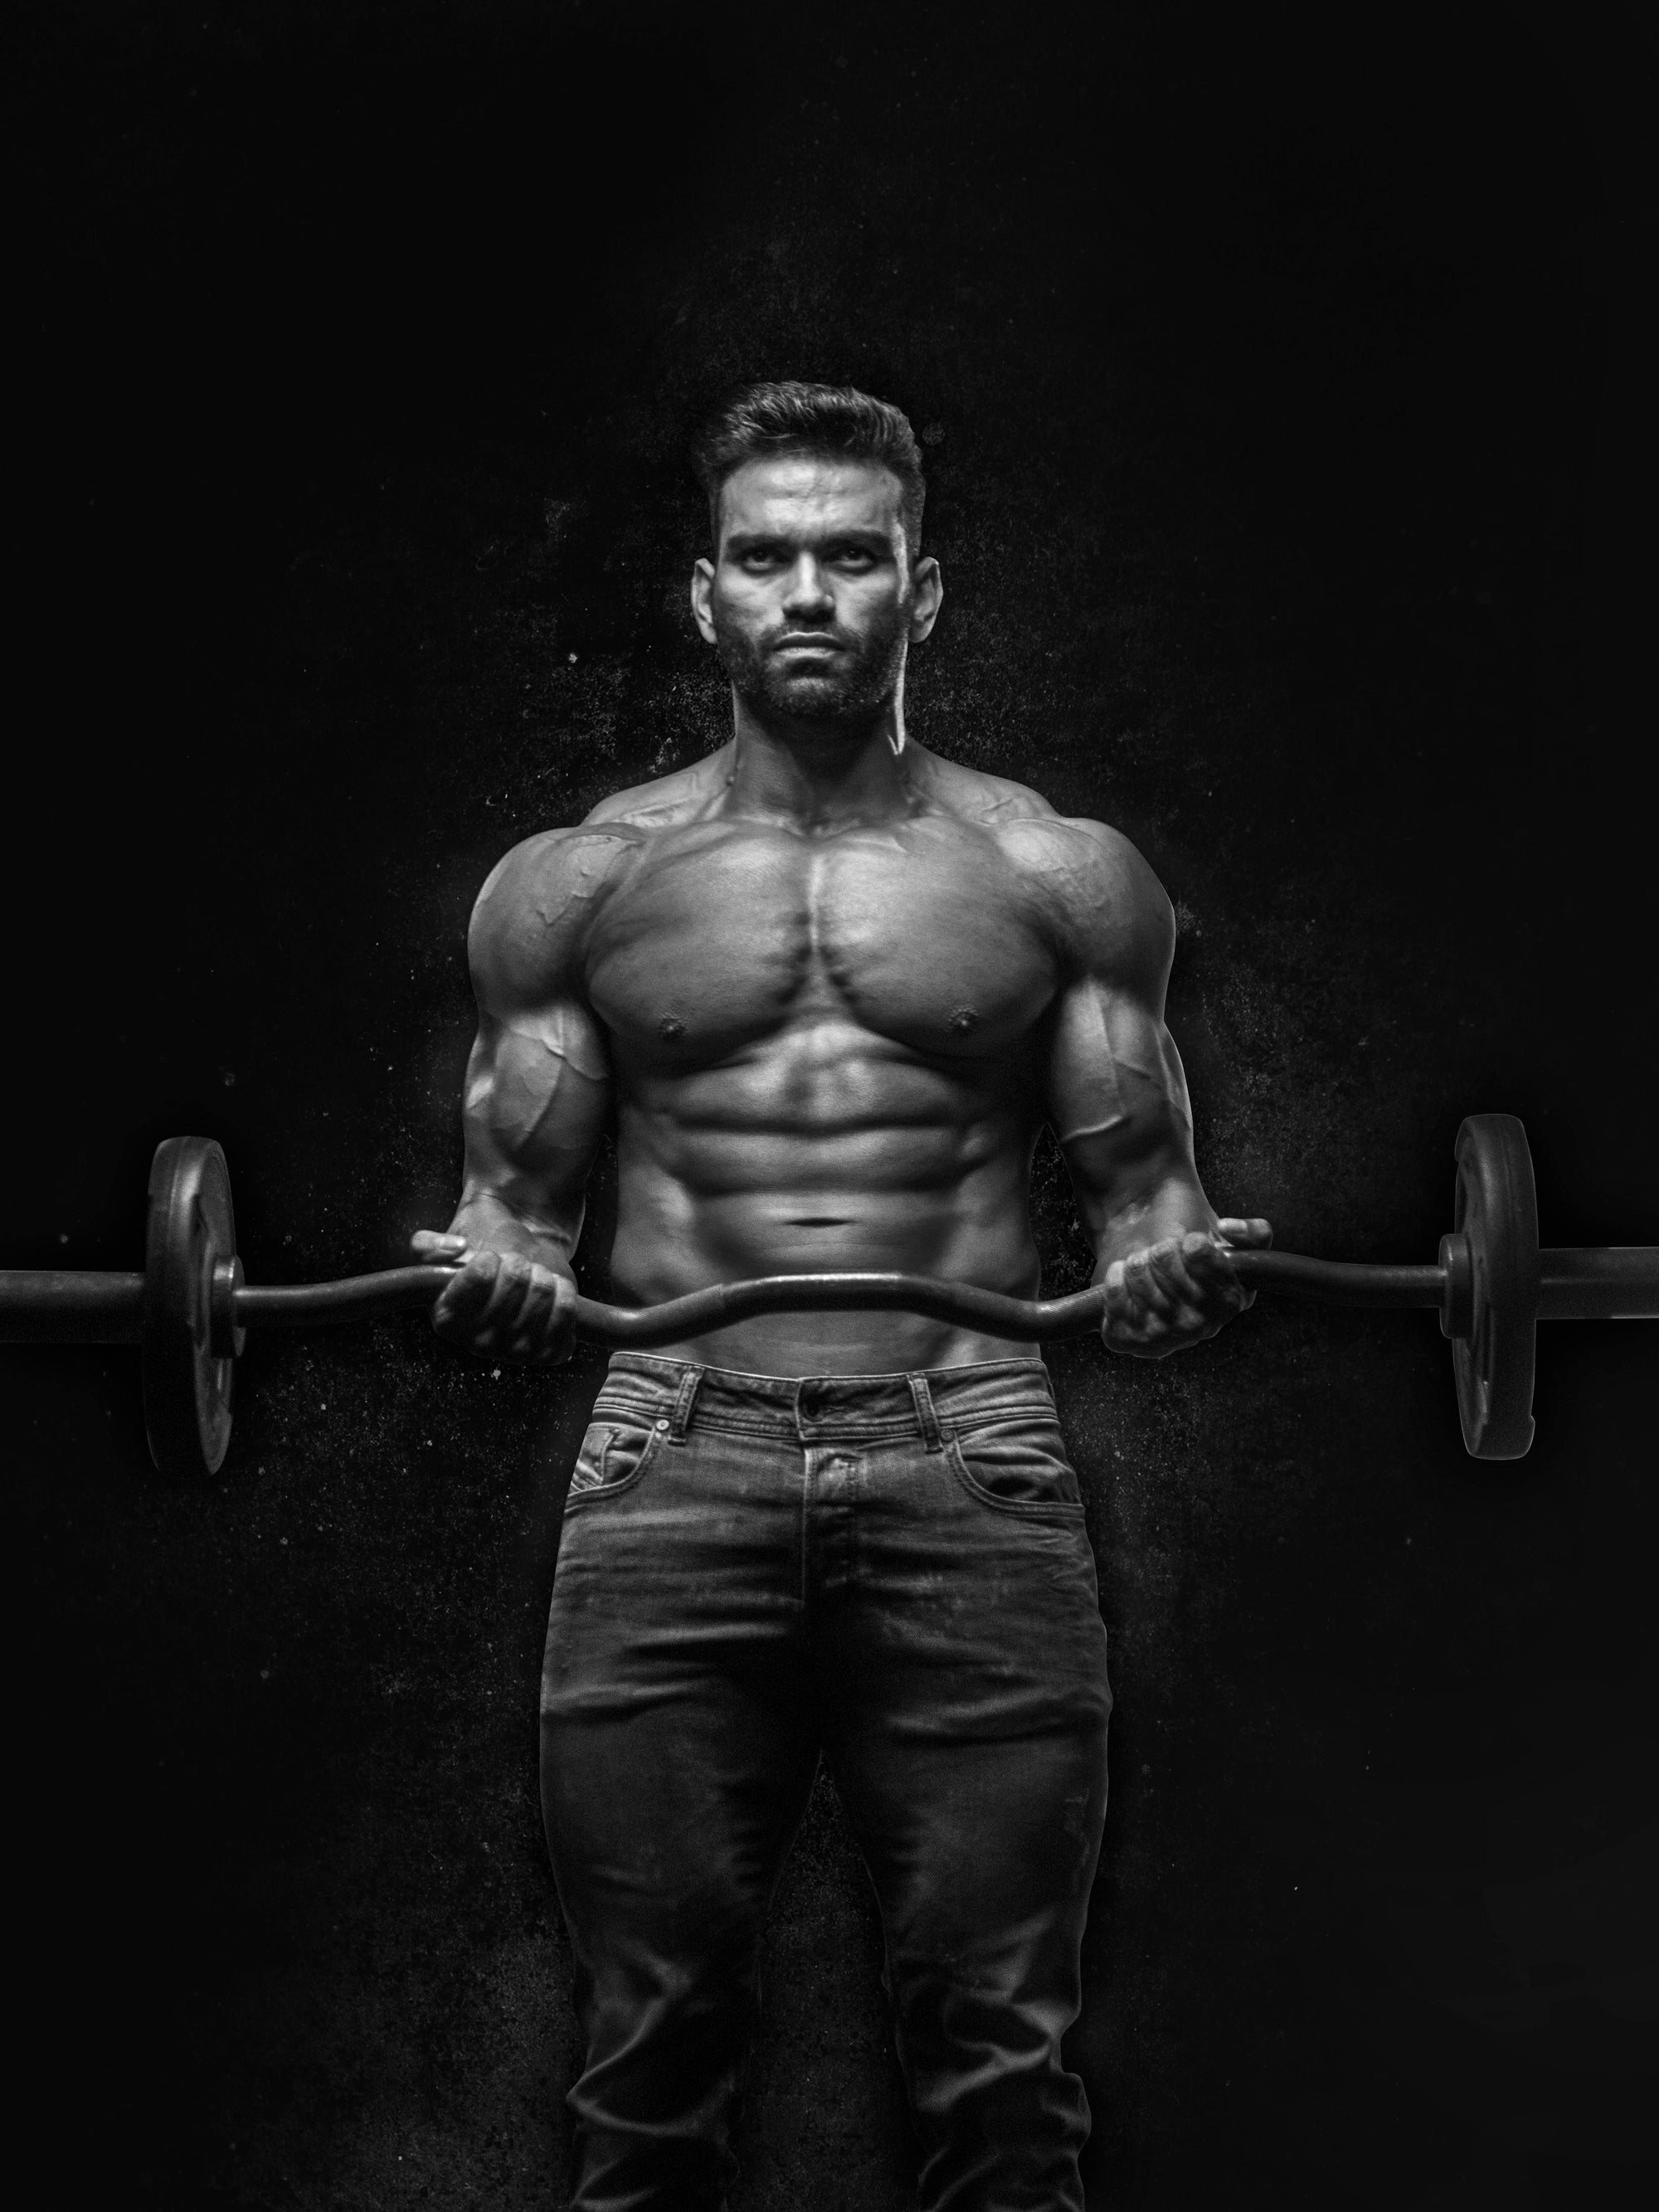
680,1419
926,1419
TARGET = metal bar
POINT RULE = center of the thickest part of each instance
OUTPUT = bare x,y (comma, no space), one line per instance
69,1305
1341,1282
1027,1321
361,1297
321,1305
63,1305
1599,1282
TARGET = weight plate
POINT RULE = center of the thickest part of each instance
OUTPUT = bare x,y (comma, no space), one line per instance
192,1228
1496,1210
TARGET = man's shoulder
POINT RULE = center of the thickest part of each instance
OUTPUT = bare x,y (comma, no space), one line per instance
1102,898
573,862
668,802
1090,857
531,918
1025,821
542,874
990,802
1092,880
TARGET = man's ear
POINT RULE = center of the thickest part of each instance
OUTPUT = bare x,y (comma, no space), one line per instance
927,597
702,584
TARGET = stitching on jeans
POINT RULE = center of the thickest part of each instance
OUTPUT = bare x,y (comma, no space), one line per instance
684,1405
803,1522
1022,1509
874,1432
903,1425
595,1491
926,1419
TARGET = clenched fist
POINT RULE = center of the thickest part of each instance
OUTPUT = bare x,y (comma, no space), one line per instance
501,1302
1178,1291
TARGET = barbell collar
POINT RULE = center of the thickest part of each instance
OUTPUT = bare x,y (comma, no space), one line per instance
227,1333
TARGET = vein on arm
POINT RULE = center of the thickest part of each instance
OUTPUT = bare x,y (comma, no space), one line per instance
1117,1092
539,1082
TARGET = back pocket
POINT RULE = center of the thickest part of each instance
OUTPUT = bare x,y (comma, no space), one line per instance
1017,1462
614,1455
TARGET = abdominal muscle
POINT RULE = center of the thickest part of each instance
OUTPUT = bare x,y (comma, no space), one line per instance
716,1186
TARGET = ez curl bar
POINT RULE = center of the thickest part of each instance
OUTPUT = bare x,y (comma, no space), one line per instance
191,1309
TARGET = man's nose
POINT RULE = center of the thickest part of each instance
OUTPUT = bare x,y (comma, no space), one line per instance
807,594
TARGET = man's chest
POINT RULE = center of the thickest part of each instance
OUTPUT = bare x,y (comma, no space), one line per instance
930,940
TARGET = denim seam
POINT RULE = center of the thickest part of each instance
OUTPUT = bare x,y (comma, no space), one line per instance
603,1489
927,1419
1022,1509
684,1406
783,1433
803,1531
894,1425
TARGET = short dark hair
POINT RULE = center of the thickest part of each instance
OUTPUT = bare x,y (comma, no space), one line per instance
790,418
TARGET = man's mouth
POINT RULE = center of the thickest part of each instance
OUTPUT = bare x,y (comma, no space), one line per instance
808,641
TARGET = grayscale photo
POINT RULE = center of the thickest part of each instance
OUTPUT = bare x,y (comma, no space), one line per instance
828,1332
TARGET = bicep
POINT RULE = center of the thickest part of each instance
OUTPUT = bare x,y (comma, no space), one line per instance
539,1082
1117,1097
538,1094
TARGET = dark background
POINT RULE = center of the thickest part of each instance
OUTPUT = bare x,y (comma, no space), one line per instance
1286,381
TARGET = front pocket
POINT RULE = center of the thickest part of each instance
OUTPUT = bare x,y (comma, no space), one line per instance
1017,1464
613,1457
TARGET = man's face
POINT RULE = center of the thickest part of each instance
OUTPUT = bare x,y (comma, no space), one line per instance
810,599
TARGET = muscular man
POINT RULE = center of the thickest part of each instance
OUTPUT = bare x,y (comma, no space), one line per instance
830,986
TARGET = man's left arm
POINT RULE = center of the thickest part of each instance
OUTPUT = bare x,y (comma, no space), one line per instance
1117,1097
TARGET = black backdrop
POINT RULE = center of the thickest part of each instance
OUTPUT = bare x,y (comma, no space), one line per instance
1287,395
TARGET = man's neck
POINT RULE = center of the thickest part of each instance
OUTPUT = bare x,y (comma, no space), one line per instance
820,777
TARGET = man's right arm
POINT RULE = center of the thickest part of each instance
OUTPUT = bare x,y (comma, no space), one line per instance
537,1095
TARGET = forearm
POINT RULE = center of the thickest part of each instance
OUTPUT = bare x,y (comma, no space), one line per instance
1169,1207
489,1223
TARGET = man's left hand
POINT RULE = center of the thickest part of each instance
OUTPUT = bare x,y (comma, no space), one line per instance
1178,1291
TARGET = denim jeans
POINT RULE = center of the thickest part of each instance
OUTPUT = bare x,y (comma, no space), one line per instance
889,1571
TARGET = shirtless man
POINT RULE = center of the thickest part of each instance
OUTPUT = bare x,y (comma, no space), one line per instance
830,986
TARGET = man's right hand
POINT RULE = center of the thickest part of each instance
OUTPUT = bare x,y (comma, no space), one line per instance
501,1302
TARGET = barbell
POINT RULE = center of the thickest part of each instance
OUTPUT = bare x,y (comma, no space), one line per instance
191,1309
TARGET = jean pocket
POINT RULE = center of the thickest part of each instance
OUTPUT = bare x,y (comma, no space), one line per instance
613,1457
1017,1463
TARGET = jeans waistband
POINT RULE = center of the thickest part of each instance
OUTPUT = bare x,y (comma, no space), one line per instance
813,1408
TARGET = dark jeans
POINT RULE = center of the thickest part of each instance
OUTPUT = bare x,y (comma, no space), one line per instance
890,1570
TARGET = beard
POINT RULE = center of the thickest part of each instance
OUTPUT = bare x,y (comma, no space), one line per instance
863,677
